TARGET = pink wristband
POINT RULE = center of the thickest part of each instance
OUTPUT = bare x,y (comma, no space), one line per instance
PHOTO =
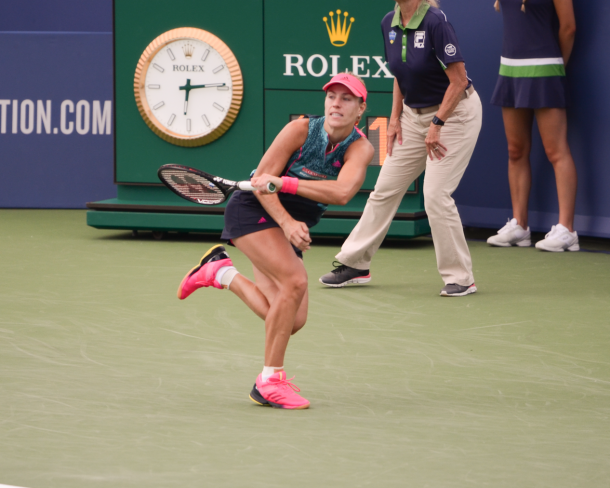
289,185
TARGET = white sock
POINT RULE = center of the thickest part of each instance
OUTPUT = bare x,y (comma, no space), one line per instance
225,275
269,370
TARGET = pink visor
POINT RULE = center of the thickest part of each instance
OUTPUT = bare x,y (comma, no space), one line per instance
351,82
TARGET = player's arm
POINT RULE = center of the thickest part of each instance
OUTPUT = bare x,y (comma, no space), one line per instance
351,177
357,158
291,138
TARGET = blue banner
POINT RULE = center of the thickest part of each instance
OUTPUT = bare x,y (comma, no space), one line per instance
56,119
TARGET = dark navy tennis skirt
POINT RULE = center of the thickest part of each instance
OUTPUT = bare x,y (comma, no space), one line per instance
544,92
245,215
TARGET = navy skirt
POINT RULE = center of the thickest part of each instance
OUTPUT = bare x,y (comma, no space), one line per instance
544,92
245,215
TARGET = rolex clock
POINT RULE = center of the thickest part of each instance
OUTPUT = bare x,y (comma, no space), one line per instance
188,87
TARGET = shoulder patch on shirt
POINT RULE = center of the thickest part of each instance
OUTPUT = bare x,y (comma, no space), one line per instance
450,50
420,38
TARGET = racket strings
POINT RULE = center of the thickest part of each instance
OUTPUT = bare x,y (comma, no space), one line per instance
193,186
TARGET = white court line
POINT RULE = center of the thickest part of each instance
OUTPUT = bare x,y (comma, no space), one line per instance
10,486
487,326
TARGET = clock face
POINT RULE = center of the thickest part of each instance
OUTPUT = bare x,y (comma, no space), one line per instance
188,87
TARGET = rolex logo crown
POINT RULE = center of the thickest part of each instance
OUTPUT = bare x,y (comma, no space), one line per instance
188,50
338,32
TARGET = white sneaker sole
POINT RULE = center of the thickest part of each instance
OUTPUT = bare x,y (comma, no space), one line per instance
470,290
573,247
355,281
524,243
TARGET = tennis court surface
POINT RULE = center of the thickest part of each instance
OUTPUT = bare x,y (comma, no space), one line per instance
107,379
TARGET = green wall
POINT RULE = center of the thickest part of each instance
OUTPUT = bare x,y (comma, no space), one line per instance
286,55
297,28
139,152
261,44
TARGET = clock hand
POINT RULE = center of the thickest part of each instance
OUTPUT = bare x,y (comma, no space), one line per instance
209,85
187,89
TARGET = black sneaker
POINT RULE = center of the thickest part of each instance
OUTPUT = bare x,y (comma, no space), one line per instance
343,275
453,290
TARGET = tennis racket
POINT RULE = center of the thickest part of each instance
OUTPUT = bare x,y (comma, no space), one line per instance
200,187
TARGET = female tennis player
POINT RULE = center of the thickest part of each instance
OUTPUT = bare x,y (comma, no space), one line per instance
313,162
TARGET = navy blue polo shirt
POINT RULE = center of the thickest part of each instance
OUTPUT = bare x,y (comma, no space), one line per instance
418,54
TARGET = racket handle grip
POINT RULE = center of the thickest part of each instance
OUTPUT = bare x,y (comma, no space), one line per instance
247,186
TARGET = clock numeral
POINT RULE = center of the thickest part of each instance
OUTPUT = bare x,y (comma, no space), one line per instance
205,55
171,54
154,87
159,105
217,69
158,68
205,120
224,88
188,125
218,107
171,119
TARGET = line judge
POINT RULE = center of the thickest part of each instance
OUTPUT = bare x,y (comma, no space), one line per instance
434,126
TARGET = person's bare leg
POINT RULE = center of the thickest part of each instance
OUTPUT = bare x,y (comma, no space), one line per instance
259,294
268,288
273,256
518,128
553,126
251,294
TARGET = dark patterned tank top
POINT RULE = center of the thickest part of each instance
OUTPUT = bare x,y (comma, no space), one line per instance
311,161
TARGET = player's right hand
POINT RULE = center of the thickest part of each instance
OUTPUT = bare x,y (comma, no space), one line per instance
261,183
298,234
394,132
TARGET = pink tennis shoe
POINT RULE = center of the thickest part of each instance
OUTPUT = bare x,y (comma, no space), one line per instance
278,392
204,274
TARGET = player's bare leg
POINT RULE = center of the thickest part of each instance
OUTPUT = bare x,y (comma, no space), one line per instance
259,294
283,281
251,294
285,271
279,296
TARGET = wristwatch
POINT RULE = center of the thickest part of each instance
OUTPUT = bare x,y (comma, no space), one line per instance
437,121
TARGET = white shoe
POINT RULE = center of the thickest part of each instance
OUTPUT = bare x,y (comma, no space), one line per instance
558,240
512,234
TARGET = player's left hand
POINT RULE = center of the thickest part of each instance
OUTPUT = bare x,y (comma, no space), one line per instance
433,143
261,182
297,234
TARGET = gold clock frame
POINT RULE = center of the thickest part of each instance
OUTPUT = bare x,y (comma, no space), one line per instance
140,77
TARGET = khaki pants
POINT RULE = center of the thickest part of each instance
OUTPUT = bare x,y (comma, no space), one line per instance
408,161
